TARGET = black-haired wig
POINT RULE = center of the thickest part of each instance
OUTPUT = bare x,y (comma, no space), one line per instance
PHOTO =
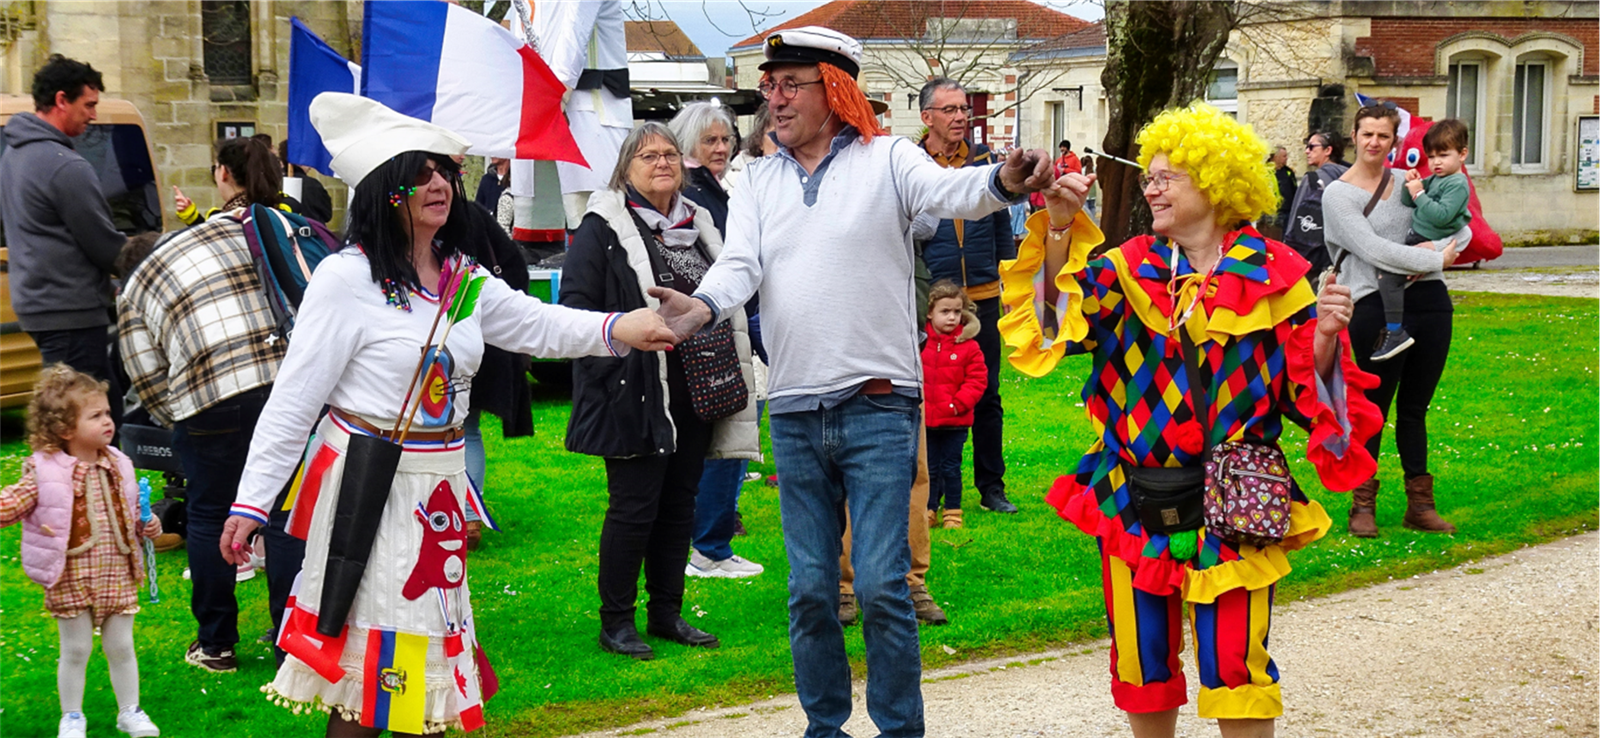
378,225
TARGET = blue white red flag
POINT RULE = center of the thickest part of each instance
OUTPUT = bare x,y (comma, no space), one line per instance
440,62
314,68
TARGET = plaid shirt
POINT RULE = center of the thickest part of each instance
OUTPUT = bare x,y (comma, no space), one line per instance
194,325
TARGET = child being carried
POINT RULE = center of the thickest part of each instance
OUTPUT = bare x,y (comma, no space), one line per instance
1440,218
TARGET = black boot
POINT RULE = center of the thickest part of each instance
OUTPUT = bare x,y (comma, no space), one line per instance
626,641
996,502
680,631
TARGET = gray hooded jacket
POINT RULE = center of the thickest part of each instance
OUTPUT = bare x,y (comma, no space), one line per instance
58,228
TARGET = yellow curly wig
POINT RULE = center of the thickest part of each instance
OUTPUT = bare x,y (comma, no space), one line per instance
58,397
1224,158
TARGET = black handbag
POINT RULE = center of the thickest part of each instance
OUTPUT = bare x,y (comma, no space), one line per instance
710,358
1169,499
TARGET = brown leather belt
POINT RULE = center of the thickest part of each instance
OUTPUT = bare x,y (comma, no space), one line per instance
876,387
447,435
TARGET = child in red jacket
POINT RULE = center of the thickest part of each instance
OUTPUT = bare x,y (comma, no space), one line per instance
954,378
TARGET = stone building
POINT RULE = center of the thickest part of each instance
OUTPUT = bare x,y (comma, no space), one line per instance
906,42
1521,75
196,69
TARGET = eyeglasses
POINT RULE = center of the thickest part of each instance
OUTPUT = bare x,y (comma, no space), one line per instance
1161,180
787,88
651,159
714,140
953,109
1314,146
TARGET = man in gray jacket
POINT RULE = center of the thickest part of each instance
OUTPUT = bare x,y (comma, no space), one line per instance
58,226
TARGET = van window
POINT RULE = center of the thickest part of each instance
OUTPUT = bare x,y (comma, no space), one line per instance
127,178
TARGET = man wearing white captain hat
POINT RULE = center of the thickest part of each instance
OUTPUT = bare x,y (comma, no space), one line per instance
822,228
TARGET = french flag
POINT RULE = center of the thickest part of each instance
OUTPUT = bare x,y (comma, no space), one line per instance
439,62
314,68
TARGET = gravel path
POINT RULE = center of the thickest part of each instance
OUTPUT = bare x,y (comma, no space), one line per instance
1501,647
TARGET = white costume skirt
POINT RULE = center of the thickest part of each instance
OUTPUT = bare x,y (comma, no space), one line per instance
395,667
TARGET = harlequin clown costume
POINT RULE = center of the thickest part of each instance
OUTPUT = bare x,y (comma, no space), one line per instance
1253,321
407,658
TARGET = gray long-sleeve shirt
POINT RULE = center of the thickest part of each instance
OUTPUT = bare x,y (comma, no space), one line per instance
1375,242
831,254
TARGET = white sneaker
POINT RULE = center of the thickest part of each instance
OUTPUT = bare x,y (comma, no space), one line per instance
73,725
135,723
738,567
245,572
701,566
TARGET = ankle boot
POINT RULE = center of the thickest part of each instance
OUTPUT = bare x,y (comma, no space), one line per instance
1363,509
1420,513
952,518
933,519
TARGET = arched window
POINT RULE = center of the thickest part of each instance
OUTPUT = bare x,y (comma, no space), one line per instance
226,28
1530,111
1464,98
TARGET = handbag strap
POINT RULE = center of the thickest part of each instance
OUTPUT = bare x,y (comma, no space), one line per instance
1377,196
1197,389
1383,184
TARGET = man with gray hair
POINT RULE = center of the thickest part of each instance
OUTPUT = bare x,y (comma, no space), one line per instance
969,252
823,228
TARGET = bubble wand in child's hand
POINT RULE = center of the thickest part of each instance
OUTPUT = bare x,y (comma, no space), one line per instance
149,546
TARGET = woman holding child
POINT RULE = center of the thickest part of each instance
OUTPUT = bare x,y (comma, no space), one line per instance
1205,339
1367,224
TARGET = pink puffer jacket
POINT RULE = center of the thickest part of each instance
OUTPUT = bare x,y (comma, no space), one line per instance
46,530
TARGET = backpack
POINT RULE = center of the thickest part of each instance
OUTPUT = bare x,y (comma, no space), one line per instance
286,248
1304,229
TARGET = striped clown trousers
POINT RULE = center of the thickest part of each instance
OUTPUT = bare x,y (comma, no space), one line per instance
1238,678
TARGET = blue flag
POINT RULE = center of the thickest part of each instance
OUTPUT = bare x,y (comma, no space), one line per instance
314,68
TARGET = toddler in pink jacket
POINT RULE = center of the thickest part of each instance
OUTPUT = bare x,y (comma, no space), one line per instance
78,501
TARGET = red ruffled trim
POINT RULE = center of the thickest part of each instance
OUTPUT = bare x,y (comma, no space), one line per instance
1339,474
1158,576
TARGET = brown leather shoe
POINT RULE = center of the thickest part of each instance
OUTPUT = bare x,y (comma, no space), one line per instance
1363,509
847,609
474,534
952,518
927,610
167,542
1420,513
933,519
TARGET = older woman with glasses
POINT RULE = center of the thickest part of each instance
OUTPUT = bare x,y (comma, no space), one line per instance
1205,338
635,410
707,129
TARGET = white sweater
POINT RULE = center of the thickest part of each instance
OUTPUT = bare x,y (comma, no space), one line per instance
831,254
354,351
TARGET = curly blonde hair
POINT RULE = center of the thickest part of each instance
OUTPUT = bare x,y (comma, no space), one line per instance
1224,158
58,398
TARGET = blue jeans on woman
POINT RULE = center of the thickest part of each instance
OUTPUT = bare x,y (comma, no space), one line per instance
477,461
860,454
716,509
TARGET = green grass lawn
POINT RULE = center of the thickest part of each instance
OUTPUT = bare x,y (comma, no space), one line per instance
1514,449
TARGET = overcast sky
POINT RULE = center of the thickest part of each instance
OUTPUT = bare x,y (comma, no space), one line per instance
714,25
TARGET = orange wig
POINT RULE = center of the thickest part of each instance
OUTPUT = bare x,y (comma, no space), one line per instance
847,101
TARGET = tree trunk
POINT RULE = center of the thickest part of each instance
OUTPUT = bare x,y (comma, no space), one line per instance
1158,55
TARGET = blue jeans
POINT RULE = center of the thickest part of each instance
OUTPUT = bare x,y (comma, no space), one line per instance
716,509
861,454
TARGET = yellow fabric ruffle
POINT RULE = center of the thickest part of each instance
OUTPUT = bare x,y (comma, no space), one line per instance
1259,567
1247,702
1264,315
1032,352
